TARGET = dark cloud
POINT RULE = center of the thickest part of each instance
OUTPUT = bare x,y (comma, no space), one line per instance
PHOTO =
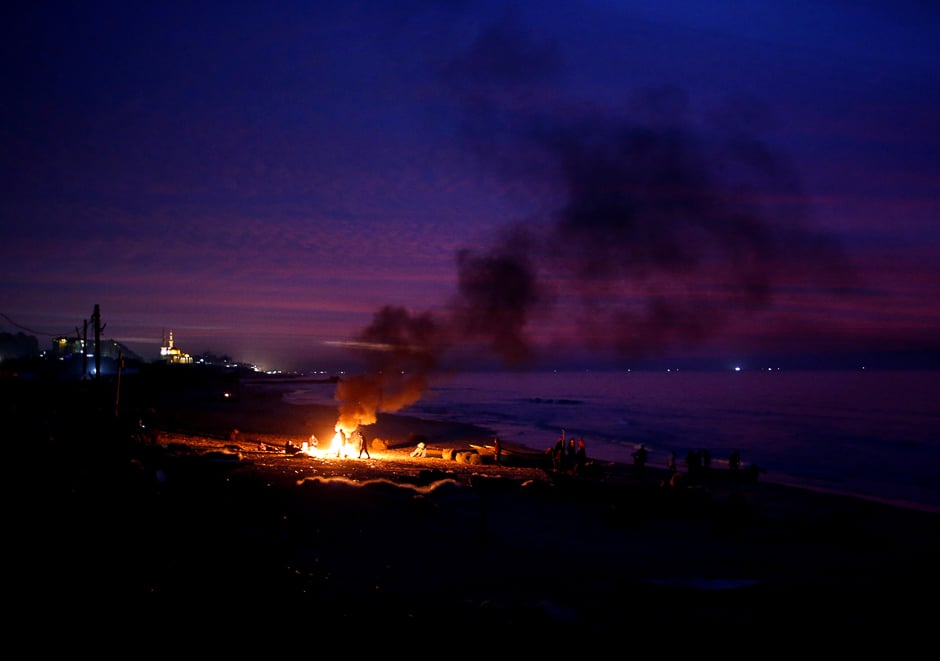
665,228
497,294
667,225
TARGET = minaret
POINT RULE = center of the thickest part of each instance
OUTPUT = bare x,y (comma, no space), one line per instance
166,345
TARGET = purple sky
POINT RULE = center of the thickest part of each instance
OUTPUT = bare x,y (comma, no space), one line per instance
582,182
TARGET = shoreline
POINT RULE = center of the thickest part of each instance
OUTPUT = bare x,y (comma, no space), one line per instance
267,411
267,414
195,518
839,478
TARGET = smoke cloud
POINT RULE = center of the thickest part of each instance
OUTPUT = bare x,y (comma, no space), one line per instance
662,228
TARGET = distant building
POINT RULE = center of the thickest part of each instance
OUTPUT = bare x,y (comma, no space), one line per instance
76,347
75,357
171,354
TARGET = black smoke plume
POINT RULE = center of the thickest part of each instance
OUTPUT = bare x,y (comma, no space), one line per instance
662,228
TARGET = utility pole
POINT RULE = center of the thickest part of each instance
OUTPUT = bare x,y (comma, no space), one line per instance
117,392
96,319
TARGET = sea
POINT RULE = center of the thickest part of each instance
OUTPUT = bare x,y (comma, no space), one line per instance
867,434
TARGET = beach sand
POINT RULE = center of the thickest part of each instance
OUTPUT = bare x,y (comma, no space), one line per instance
189,519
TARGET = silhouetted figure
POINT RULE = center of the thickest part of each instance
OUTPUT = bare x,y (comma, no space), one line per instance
734,461
558,454
580,455
497,450
639,459
341,446
361,444
671,463
693,460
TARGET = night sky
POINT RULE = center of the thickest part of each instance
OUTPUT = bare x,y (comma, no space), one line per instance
541,183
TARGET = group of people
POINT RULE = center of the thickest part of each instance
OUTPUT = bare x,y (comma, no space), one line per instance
698,462
355,440
570,455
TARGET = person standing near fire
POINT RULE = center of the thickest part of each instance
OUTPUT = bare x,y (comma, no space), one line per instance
497,450
360,442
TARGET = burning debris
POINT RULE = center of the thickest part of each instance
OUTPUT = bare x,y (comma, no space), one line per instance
343,445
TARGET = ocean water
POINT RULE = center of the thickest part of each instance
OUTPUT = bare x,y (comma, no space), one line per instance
871,434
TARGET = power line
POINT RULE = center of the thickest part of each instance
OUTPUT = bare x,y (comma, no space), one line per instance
30,330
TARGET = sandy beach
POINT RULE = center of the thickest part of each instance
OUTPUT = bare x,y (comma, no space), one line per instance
190,517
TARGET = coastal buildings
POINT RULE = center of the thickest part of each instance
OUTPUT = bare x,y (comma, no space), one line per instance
171,354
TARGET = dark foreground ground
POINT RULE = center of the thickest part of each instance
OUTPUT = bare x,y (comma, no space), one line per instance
176,527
